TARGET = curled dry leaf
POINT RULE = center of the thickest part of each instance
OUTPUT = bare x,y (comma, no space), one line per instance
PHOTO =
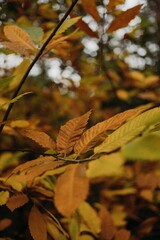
17,201
71,189
37,225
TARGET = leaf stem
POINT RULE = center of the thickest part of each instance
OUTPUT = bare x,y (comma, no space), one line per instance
15,94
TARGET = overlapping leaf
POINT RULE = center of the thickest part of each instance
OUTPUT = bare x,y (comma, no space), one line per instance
37,225
71,132
124,18
19,40
129,130
94,134
71,189
39,137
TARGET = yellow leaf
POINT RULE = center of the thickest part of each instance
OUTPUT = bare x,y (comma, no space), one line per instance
71,132
39,137
107,165
124,18
118,215
17,201
71,189
90,217
91,8
93,135
67,24
19,36
4,196
19,73
19,124
37,225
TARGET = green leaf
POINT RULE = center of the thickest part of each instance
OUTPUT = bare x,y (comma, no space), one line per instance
4,196
5,82
36,33
90,217
74,229
14,99
129,130
143,148
106,166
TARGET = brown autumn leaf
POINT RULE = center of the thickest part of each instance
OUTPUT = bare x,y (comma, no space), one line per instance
107,226
113,4
84,27
122,235
124,18
5,223
71,189
17,201
71,132
16,35
37,225
91,8
39,137
94,134
16,47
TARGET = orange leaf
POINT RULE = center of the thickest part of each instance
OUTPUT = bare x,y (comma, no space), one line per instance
71,132
71,189
94,134
17,201
113,4
39,137
122,235
107,225
18,35
37,225
124,18
91,8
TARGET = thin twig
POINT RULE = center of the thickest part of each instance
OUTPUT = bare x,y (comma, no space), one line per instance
69,160
6,115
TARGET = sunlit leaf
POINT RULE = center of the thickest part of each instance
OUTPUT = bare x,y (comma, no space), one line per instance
107,165
129,130
143,148
93,135
124,18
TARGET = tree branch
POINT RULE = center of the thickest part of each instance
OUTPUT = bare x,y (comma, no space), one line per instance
6,115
